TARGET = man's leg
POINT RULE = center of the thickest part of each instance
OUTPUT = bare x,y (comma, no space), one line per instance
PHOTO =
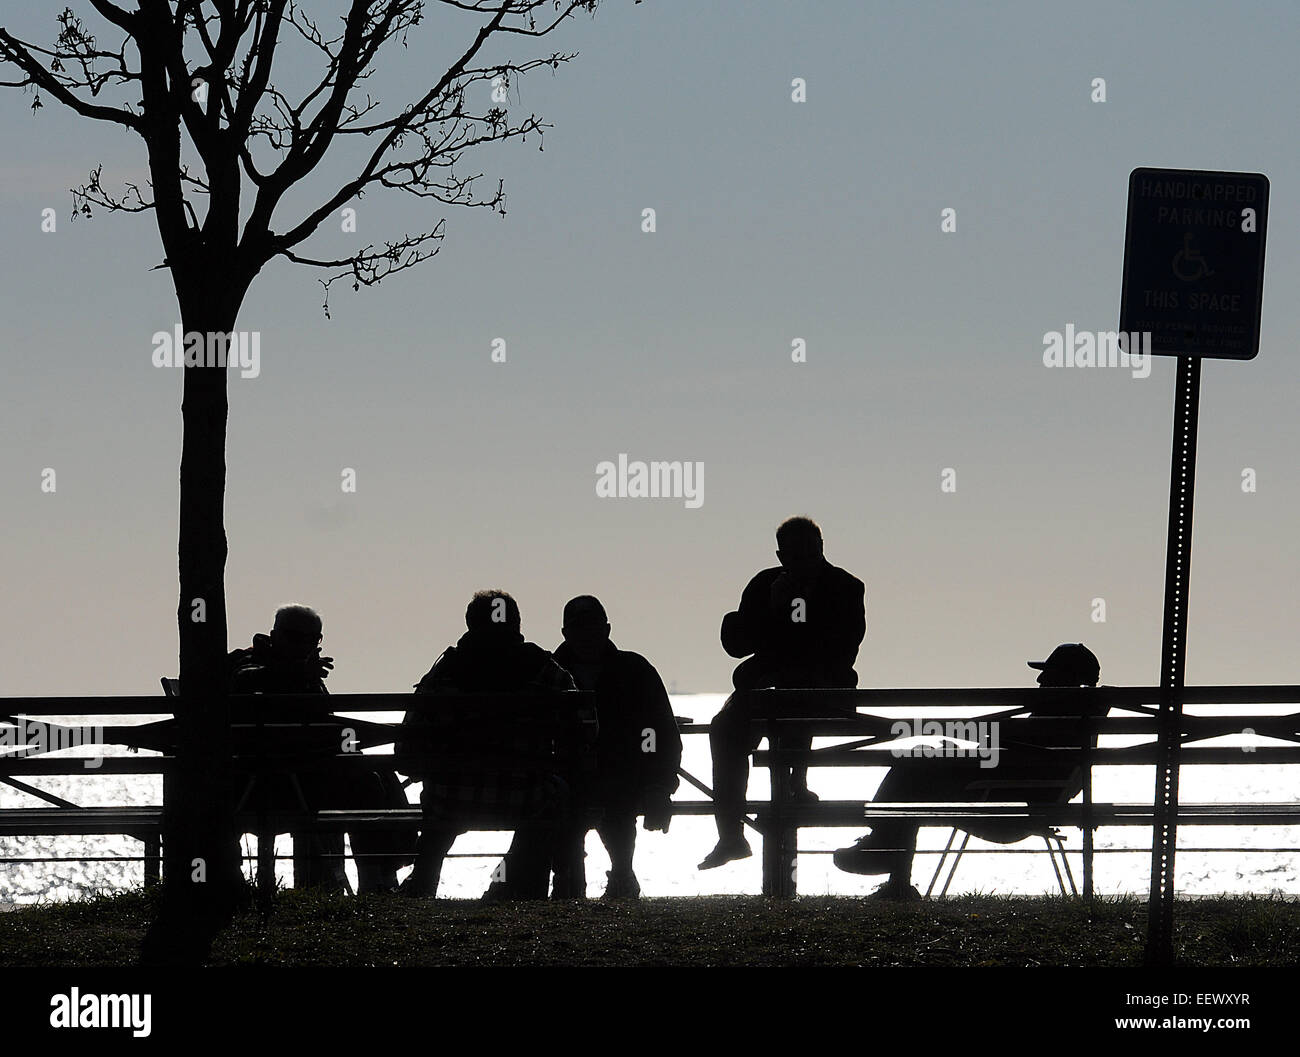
544,839
617,831
376,854
799,773
325,861
891,845
731,740
568,861
379,854
572,801
525,872
437,835
430,851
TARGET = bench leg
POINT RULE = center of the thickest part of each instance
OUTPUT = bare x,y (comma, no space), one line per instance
266,868
779,850
780,839
265,840
1088,830
965,840
952,870
152,860
1087,863
1065,864
302,848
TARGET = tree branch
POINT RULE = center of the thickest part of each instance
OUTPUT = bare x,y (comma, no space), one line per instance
19,54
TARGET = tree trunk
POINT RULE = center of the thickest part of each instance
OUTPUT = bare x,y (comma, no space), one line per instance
202,868
201,618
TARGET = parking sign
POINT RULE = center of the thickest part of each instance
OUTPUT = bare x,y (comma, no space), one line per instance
1194,261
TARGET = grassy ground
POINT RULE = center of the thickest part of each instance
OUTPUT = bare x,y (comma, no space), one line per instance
311,929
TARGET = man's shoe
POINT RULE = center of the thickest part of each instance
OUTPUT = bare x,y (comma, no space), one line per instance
863,858
898,893
621,885
416,888
726,851
497,892
386,884
806,796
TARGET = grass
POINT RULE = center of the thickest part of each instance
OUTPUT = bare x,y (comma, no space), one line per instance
314,929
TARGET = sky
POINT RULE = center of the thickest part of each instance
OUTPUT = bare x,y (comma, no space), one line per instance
775,221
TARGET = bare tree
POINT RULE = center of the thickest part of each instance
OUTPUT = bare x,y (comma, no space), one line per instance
225,145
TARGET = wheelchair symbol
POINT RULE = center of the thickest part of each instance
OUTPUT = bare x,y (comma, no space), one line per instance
1190,256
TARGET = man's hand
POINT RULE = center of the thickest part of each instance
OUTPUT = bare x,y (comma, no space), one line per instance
784,590
659,813
324,665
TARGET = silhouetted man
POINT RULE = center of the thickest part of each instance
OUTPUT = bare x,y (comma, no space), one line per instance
800,625
492,657
1070,664
638,749
289,661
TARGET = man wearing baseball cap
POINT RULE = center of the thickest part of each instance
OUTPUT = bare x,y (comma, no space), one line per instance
1070,664
890,846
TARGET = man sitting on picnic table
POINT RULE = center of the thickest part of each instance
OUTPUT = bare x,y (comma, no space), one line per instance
803,622
890,846
289,661
492,657
638,749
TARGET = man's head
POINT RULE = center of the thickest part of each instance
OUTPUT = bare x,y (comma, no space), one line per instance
492,613
586,627
1070,664
799,545
296,633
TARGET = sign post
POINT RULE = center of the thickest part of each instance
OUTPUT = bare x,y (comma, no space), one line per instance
1193,282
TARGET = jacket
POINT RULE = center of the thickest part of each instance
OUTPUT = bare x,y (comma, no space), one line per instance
799,637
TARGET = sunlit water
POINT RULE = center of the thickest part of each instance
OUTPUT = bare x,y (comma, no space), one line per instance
665,863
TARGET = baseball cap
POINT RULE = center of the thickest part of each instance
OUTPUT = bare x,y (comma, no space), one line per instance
1073,659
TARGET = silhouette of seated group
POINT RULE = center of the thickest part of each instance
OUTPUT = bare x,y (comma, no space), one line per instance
799,625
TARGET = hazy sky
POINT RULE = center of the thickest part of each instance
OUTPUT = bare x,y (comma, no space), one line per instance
776,220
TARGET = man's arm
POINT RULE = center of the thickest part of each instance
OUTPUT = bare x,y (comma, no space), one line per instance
435,680
551,676
744,630
657,715
662,782
246,680
848,627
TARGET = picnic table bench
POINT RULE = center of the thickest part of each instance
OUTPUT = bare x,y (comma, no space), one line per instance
863,722
869,718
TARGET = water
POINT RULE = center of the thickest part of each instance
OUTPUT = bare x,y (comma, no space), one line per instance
665,863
